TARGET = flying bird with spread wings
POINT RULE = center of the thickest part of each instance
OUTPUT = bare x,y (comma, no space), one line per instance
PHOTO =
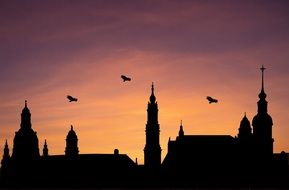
211,100
71,99
125,78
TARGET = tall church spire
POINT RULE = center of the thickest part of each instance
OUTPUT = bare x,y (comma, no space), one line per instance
152,150
152,97
262,123
262,94
262,103
181,131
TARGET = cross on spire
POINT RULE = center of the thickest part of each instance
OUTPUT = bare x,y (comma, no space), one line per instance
262,70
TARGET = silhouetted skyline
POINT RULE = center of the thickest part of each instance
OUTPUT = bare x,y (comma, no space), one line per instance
190,49
244,161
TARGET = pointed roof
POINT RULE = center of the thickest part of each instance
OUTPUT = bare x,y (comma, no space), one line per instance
71,133
181,131
45,143
262,94
6,144
25,109
152,97
245,122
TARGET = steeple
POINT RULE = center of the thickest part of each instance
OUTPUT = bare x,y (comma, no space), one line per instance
6,151
152,150
181,131
262,124
45,149
152,97
262,103
262,93
5,162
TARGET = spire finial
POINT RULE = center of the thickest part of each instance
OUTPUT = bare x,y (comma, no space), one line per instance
6,144
26,103
71,127
245,114
262,94
262,70
181,131
45,143
152,97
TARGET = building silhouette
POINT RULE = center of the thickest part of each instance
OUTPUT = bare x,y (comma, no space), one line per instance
71,149
152,150
246,160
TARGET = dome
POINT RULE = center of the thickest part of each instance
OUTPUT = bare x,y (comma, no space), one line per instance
262,119
71,133
245,122
25,110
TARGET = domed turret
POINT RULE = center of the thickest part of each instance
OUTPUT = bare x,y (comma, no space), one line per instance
245,129
71,143
25,118
25,146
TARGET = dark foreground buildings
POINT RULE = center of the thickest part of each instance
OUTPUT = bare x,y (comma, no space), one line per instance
193,161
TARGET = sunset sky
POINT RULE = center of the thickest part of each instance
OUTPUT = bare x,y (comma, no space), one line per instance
189,49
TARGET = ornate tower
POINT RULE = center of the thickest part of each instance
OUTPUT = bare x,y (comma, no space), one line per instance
71,149
25,145
245,129
45,149
152,150
262,125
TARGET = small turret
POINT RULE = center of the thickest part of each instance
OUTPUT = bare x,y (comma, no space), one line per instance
245,129
6,154
181,131
45,149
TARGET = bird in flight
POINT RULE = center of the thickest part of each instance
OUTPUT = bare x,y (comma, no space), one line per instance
125,78
71,99
211,100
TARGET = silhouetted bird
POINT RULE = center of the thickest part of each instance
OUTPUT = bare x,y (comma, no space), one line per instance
211,100
71,99
125,78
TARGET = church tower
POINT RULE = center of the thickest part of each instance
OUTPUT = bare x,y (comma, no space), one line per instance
25,145
152,150
262,125
71,149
